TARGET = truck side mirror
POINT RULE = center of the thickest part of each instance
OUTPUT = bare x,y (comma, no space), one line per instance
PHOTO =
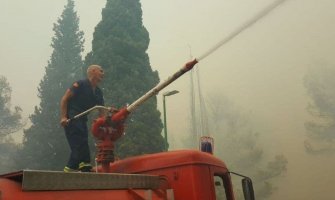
248,190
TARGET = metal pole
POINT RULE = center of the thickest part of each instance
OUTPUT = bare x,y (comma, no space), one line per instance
165,126
165,94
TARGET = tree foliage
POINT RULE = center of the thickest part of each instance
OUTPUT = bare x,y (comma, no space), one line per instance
240,148
8,149
319,83
10,121
44,145
119,46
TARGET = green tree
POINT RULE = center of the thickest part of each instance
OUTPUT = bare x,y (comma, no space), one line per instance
10,121
119,46
44,144
8,149
241,150
319,83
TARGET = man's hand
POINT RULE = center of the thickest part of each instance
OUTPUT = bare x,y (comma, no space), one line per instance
113,110
64,121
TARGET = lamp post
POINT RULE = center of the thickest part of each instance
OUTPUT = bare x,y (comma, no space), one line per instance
165,94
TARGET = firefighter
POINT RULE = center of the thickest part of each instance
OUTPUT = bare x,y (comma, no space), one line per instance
82,95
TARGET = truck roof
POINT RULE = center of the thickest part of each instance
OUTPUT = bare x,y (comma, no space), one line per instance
143,163
149,162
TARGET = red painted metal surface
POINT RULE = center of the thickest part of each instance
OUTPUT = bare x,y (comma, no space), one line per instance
189,173
106,135
12,191
158,161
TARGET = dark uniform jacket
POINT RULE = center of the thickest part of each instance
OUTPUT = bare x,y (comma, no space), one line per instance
83,98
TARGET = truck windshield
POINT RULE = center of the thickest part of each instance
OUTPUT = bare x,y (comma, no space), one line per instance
220,191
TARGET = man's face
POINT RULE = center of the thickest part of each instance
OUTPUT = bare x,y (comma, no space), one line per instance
98,73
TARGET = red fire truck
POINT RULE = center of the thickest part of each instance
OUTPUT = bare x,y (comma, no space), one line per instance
174,175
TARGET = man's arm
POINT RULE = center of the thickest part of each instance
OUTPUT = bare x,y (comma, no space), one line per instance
63,107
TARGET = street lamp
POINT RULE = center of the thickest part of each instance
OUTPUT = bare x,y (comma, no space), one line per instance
165,94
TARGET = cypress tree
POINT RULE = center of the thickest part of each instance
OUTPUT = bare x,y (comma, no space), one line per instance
119,46
44,144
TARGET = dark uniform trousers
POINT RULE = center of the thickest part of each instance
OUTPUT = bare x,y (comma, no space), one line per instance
77,137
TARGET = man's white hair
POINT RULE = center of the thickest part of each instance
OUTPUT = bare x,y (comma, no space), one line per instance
91,68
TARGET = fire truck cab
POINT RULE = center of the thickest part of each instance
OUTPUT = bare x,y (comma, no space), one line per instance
174,175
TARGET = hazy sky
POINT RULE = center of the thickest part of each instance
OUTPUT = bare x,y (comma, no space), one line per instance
261,70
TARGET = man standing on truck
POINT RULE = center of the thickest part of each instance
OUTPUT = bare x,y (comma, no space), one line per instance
82,95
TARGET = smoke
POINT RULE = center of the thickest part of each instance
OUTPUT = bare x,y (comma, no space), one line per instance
261,71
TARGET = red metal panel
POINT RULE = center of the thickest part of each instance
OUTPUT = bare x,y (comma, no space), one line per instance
11,190
152,162
187,172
